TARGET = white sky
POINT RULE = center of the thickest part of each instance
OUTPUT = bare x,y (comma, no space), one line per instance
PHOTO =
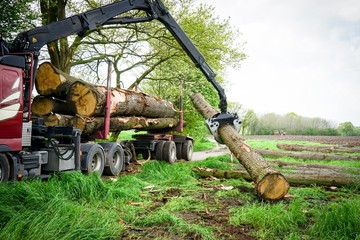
303,57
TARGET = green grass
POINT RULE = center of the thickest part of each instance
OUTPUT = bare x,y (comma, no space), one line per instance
165,201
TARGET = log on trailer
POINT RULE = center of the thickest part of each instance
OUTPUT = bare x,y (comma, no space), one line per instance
42,106
89,100
90,125
53,82
270,184
86,99
307,155
296,174
323,149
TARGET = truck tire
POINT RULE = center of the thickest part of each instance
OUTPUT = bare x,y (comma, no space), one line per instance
4,168
114,158
187,150
178,151
159,150
169,152
93,158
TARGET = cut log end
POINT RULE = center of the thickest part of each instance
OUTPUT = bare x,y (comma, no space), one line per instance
47,80
41,106
273,186
83,99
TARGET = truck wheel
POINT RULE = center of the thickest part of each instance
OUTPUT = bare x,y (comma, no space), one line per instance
93,158
114,158
178,151
187,150
159,150
169,152
4,168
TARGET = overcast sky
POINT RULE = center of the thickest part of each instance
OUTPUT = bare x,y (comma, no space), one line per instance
303,57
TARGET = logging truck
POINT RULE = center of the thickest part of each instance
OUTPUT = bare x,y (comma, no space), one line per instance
29,148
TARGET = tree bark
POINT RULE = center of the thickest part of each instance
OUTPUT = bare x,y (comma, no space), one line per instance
300,174
91,125
42,106
90,100
307,155
52,82
323,149
270,184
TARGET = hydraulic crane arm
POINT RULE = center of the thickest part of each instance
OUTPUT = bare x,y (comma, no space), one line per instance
35,39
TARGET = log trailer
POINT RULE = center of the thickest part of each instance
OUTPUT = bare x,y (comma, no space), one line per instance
28,148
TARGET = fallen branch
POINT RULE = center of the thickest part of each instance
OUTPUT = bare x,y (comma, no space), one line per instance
270,184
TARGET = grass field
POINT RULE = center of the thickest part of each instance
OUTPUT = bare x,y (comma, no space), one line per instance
162,201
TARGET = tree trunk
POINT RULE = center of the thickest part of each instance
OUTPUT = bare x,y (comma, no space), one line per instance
307,155
270,184
55,119
324,175
42,106
324,149
52,82
91,125
89,100
86,99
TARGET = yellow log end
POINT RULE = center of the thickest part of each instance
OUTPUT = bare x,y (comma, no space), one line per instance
41,106
272,187
83,99
47,80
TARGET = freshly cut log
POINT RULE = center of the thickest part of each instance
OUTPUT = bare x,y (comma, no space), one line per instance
42,106
270,184
307,155
89,100
324,175
324,149
51,81
91,125
55,119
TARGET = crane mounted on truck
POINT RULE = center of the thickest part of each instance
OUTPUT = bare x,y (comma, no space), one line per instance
29,148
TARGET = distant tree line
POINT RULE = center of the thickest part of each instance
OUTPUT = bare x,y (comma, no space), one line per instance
293,124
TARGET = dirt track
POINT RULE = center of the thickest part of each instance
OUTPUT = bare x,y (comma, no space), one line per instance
335,140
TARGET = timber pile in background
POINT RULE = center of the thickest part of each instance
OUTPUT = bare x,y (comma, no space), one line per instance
68,101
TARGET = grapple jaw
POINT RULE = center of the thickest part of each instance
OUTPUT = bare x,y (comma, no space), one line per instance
221,119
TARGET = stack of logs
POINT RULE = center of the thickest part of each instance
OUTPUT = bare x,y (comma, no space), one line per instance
68,101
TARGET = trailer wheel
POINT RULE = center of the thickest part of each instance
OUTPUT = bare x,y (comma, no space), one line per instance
4,168
187,150
93,158
114,158
159,150
169,152
178,151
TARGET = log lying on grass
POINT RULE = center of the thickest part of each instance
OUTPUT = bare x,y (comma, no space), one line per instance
296,174
91,125
270,184
323,149
307,155
42,106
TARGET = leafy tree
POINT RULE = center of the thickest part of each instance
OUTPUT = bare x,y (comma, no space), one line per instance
347,129
15,17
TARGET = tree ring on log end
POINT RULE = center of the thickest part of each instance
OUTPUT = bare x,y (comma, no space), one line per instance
272,187
83,98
